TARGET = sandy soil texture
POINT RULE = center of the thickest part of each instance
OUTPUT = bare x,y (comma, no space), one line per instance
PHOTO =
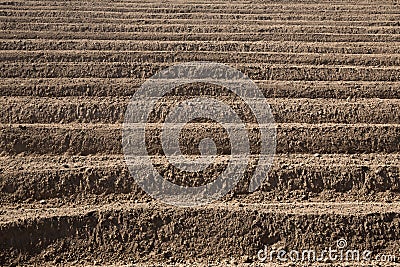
330,71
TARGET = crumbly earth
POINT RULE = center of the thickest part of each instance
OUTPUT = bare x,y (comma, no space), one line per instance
330,71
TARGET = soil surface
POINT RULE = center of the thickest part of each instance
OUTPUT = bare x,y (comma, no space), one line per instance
330,71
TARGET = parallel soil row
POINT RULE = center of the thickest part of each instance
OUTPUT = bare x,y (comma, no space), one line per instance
196,28
88,139
30,110
205,7
250,21
201,3
256,71
371,177
196,46
126,231
77,56
341,16
62,87
174,12
298,37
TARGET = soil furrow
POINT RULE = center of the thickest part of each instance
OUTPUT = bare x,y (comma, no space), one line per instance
254,37
316,59
369,177
154,233
291,16
29,110
214,22
196,46
198,6
260,9
64,87
193,29
257,71
87,139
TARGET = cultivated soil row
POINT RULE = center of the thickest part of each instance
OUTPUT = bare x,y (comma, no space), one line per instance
330,72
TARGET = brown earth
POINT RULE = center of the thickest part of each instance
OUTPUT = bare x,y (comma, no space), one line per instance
330,71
